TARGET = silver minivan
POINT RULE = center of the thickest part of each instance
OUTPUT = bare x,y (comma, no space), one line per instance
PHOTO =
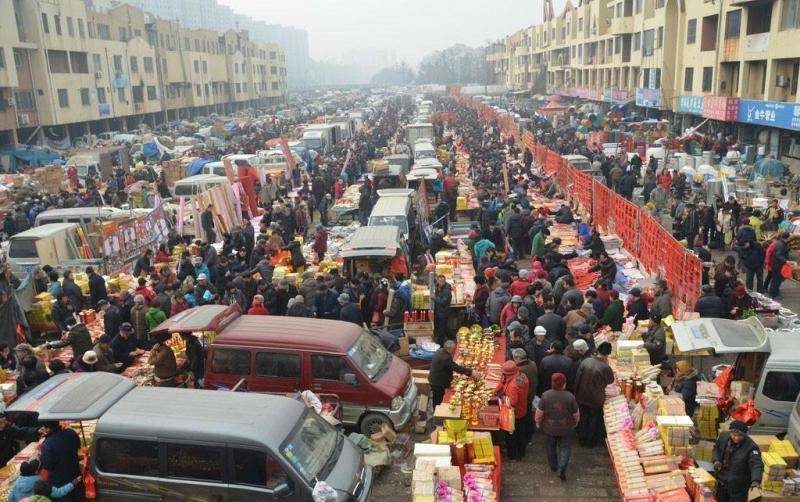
154,443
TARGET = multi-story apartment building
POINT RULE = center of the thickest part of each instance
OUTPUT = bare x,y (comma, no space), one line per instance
732,65
71,67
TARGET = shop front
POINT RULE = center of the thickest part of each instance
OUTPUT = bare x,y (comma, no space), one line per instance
650,101
690,108
773,127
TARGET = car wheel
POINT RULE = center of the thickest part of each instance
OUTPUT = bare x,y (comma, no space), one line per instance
372,423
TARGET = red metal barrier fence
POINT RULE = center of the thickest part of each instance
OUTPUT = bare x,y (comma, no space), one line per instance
658,252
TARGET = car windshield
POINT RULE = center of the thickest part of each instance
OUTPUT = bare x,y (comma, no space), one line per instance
397,221
310,445
312,143
370,356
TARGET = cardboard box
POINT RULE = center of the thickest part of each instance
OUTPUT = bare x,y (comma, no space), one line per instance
422,407
423,386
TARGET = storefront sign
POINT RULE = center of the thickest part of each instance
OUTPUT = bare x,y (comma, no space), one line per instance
721,108
648,98
614,95
690,104
770,113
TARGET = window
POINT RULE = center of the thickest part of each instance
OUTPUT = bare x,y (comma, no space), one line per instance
691,31
708,41
121,95
17,57
196,45
733,24
70,27
24,100
708,74
647,43
638,6
118,63
151,93
274,86
252,468
45,24
134,64
238,88
199,92
637,40
148,64
759,20
2,58
688,79
137,33
81,30
660,37
57,24
63,98
79,62
194,462
618,12
96,62
122,34
101,95
580,24
618,44
103,32
206,90
329,368
236,68
272,55
127,456
782,385
205,66
229,361
186,43
790,18
196,66
23,248
85,97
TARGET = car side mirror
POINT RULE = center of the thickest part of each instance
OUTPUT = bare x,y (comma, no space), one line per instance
350,379
282,491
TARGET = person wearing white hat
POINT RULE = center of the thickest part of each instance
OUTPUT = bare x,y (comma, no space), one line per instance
87,363
541,346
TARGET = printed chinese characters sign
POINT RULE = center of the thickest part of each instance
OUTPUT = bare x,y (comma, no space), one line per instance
770,113
690,104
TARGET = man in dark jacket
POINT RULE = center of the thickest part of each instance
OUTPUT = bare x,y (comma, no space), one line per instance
442,298
62,312
516,231
709,304
555,362
638,305
655,340
751,258
112,317
60,457
737,464
207,223
11,434
441,374
396,311
780,255
529,369
350,312
123,346
77,337
553,323
593,375
97,286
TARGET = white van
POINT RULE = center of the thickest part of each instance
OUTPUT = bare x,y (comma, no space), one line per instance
198,184
770,361
393,207
55,244
423,149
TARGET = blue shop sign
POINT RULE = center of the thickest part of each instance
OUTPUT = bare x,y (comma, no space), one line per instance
104,110
648,98
770,113
690,104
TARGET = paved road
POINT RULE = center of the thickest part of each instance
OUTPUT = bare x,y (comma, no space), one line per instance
589,478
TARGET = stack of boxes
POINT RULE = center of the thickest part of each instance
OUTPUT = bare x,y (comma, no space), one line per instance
49,178
774,472
785,449
675,431
700,484
708,417
40,314
740,390
427,459
704,451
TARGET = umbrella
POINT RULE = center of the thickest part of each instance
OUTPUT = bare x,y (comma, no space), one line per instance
768,168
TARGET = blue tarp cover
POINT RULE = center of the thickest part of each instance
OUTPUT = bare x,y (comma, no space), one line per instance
150,150
196,167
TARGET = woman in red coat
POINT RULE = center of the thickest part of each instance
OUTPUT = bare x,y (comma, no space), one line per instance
514,394
258,306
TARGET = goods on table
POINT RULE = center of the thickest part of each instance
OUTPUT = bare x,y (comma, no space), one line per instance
786,451
774,471
476,349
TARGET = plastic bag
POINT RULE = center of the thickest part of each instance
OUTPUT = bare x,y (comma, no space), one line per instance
323,492
786,270
723,380
89,483
747,413
507,421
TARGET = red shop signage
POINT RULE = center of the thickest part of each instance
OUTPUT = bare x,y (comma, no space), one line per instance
721,108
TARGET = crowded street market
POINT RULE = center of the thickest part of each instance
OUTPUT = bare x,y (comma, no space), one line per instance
413,295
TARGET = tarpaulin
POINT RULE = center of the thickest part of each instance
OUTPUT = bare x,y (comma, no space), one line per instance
150,150
196,166
34,157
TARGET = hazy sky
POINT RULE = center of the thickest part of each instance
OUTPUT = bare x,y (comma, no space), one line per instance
411,28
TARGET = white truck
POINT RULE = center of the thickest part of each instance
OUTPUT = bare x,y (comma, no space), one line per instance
322,138
416,132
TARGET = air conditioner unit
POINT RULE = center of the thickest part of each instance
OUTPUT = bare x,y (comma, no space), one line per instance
11,102
782,81
23,119
98,74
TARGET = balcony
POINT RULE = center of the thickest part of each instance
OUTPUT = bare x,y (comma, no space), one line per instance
620,25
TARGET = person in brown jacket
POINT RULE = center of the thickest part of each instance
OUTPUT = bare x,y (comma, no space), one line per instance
591,379
165,366
139,321
529,369
105,356
584,314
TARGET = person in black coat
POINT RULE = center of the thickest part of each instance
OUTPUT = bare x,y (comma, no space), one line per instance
11,434
638,306
72,291
350,312
442,298
207,224
97,286
440,375
709,304
737,464
555,362
195,358
685,384
553,324
62,312
59,455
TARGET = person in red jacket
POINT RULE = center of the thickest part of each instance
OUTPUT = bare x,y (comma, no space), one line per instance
520,285
514,394
320,245
144,291
509,311
768,262
479,299
258,306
